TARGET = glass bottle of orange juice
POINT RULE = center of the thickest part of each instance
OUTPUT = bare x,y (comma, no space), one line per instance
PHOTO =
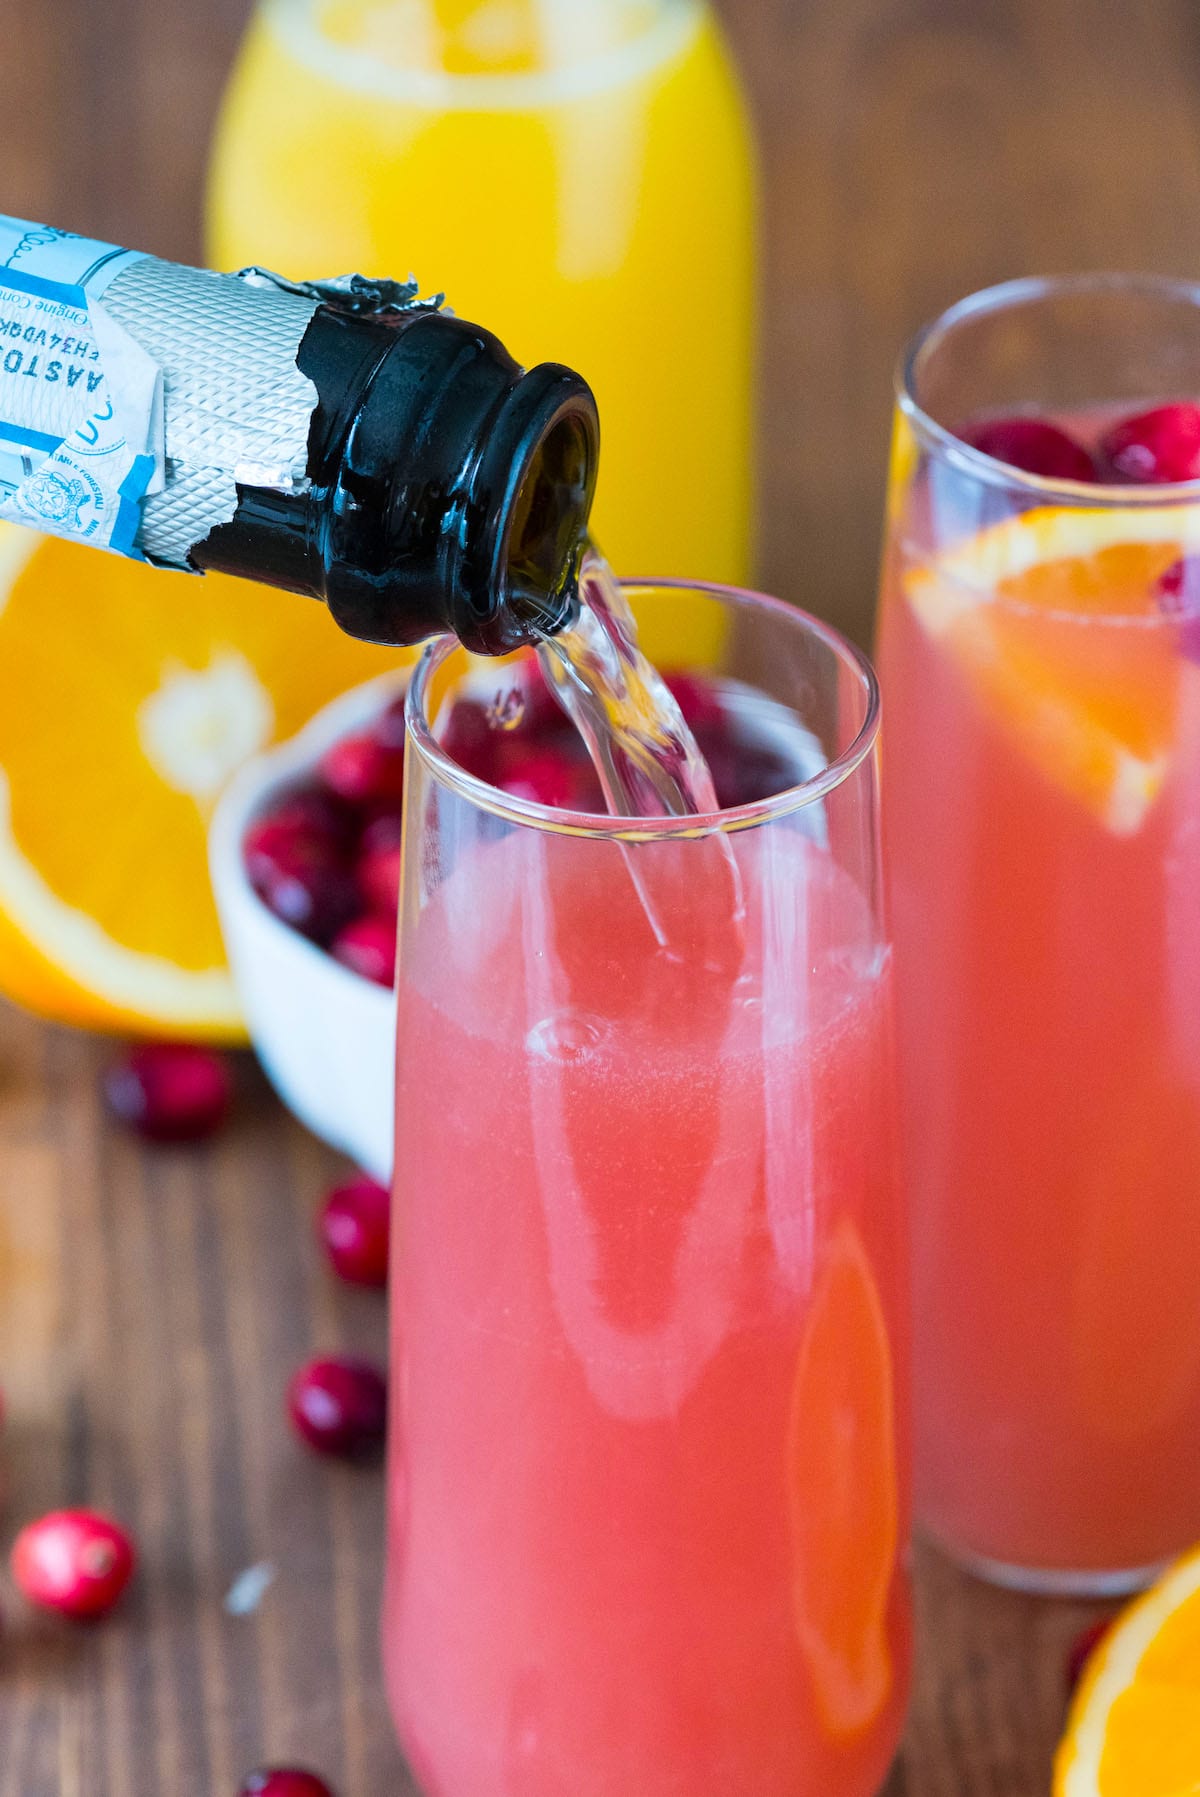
578,173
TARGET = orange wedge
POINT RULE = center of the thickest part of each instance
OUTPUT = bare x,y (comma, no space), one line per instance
1054,619
1134,1728
844,1491
127,698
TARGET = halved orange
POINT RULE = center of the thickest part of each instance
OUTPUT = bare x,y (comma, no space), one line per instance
127,698
843,1488
1053,616
1134,1728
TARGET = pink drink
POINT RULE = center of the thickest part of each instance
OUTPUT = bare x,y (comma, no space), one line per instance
1038,656
648,1498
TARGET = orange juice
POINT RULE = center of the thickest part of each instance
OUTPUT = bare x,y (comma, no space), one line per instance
577,176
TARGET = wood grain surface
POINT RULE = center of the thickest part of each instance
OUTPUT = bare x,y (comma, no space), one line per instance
153,1304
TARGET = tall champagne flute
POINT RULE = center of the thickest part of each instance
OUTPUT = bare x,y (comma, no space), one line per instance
1038,654
648,1488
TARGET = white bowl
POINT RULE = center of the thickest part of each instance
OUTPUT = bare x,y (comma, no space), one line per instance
325,1036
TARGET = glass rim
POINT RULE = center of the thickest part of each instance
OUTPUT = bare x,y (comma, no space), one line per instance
354,67
603,825
985,468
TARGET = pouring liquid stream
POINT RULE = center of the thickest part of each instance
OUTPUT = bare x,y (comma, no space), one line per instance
645,756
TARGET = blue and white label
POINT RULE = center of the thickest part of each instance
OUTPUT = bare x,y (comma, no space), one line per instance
81,404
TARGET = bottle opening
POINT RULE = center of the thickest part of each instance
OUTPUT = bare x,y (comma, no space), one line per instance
549,524
528,503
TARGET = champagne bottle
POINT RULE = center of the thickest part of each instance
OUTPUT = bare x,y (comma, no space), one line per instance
345,439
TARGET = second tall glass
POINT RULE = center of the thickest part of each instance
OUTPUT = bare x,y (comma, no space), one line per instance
1039,649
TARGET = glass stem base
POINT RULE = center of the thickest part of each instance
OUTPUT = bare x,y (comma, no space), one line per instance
1048,1581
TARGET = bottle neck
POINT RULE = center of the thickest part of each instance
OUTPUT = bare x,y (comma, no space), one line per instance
447,489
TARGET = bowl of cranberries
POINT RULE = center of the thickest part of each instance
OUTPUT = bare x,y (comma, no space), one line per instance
305,857
304,852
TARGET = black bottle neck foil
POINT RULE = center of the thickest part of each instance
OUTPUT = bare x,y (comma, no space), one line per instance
448,489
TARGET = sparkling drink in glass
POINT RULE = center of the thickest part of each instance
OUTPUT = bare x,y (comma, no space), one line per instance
1040,661
648,1487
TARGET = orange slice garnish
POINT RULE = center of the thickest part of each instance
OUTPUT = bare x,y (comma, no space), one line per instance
844,1491
1053,616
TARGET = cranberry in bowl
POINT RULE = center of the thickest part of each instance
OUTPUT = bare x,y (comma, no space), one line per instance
290,848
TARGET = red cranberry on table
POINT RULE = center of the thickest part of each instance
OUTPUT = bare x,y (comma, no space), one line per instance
354,1225
338,1405
367,946
1033,445
75,1561
284,1781
169,1091
1156,447
1082,1649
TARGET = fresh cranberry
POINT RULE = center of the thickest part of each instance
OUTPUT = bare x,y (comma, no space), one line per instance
74,1561
1081,1651
1033,445
284,1781
354,1225
367,946
302,878
1157,446
471,739
169,1091
361,768
545,775
338,1405
542,714
389,725
699,701
1178,596
743,776
308,811
378,869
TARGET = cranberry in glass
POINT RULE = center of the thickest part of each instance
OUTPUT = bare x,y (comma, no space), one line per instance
354,1226
77,1562
1033,445
367,946
338,1405
1156,447
1178,596
169,1091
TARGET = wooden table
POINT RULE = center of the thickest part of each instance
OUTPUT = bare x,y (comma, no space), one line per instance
152,1304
